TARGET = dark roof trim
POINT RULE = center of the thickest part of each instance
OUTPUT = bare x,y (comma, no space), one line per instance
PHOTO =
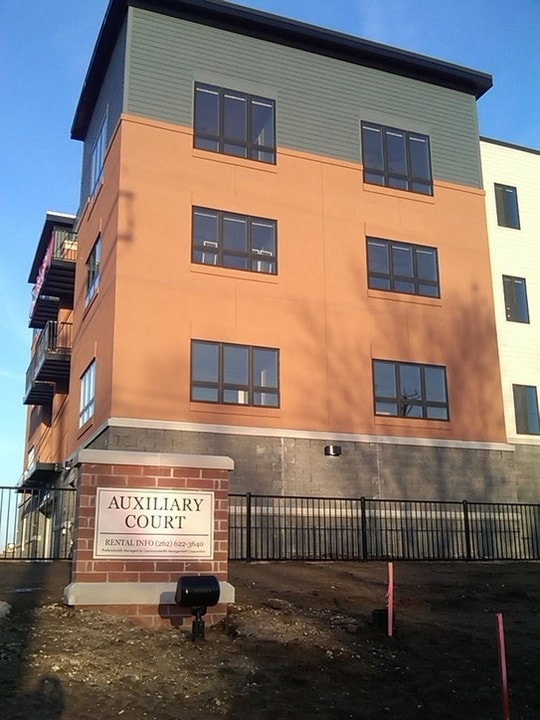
52,219
503,143
272,28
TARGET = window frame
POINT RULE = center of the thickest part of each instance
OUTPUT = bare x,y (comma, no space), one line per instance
93,271
393,277
253,256
390,178
525,408
88,394
97,158
505,196
253,150
222,387
515,310
422,402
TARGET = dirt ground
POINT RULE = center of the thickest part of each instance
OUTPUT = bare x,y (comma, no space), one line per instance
299,643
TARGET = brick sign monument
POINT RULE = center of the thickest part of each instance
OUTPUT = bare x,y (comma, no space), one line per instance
143,520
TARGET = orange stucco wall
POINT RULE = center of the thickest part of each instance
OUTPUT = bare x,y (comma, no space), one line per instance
318,310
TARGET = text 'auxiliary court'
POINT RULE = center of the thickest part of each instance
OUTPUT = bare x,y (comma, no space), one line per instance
154,524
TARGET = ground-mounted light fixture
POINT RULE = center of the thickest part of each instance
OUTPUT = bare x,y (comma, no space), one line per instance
332,450
197,592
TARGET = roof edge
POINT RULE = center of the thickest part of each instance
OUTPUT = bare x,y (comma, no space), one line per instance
278,29
513,146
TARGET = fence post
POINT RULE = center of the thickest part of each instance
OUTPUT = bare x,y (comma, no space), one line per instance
467,529
363,527
248,527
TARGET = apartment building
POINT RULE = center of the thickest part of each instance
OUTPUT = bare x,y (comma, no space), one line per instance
281,256
512,183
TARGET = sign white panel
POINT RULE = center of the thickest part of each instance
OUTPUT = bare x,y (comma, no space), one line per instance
133,524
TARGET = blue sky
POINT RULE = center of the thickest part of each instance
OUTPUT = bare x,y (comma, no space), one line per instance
45,47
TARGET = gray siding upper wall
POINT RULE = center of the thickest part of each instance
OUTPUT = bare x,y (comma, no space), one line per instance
320,100
110,103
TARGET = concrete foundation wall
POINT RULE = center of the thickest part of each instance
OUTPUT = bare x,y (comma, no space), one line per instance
293,466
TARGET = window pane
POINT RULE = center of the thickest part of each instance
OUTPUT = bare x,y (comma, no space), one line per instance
385,379
526,409
533,421
424,188
262,123
204,394
507,206
437,413
372,148
429,290
263,237
378,257
238,150
398,183
263,246
419,155
408,408
385,408
205,228
435,379
265,368
235,365
205,359
235,262
396,156
512,207
265,399
521,300
235,233
426,263
235,117
402,260
236,397
378,283
373,178
207,110
404,286
410,382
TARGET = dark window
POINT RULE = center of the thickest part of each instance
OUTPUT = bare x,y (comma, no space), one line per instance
98,156
526,407
396,158
234,374
234,123
507,206
515,299
92,271
401,267
88,394
234,241
410,390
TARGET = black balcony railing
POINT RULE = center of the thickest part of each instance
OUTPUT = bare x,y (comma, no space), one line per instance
55,283
48,371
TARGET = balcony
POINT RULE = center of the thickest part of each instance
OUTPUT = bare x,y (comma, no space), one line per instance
48,372
41,474
55,278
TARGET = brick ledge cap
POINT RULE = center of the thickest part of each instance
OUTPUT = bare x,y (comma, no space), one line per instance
129,457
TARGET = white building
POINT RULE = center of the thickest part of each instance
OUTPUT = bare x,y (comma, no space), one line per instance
512,185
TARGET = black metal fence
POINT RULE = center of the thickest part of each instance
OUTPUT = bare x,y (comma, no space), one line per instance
268,527
36,523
